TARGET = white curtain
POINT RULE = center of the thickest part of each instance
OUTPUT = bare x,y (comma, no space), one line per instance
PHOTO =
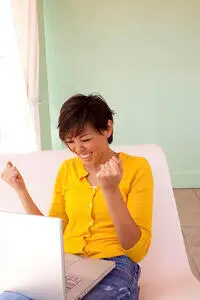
26,27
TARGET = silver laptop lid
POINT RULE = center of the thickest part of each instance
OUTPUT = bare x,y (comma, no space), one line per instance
31,256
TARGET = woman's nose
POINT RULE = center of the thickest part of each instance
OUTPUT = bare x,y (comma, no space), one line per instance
78,147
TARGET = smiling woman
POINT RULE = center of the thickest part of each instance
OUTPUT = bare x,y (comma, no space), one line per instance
112,221
80,110
86,127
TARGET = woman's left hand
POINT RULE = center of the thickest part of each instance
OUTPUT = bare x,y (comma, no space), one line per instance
110,174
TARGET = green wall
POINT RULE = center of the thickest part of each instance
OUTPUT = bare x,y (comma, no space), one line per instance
45,127
144,58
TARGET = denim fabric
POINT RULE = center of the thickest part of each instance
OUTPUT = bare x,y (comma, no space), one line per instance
12,296
120,284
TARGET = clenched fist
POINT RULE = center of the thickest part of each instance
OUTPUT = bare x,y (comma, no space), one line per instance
110,174
12,176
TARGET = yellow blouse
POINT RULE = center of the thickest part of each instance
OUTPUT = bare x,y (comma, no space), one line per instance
89,229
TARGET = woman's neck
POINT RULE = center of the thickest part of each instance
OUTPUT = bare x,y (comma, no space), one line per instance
94,168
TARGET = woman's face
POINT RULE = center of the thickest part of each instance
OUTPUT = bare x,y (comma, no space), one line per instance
91,146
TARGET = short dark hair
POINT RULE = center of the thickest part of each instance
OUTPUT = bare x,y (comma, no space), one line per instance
79,110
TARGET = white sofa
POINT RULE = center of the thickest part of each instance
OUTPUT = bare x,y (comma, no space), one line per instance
166,273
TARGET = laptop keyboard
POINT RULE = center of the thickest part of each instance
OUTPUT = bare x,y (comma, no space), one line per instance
71,281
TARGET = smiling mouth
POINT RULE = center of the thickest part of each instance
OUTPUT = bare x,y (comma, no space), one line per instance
85,156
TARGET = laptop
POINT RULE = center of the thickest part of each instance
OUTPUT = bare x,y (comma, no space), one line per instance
33,263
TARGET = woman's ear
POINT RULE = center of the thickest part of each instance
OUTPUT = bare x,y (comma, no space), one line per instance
110,128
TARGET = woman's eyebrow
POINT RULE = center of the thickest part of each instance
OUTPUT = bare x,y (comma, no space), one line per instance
80,136
83,134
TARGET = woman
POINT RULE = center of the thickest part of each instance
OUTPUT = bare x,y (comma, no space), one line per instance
104,198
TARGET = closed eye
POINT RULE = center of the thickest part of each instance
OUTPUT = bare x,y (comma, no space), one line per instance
86,140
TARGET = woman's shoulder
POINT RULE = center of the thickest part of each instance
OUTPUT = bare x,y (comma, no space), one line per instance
136,167
132,161
69,168
70,163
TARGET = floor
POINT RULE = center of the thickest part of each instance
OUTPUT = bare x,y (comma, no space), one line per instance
188,204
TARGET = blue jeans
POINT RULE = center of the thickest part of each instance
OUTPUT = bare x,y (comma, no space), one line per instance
12,296
120,284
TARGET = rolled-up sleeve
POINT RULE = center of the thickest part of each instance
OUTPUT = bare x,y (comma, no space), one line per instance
140,205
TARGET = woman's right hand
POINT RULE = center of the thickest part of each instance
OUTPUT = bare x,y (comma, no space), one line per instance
12,176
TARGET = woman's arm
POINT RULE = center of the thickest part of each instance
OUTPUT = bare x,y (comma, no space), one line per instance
13,177
28,204
133,219
127,230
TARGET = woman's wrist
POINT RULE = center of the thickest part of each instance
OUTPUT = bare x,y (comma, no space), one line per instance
22,192
112,190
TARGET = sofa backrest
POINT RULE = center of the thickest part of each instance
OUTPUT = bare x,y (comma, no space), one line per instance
167,252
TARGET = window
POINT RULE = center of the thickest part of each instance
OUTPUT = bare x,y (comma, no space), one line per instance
16,125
